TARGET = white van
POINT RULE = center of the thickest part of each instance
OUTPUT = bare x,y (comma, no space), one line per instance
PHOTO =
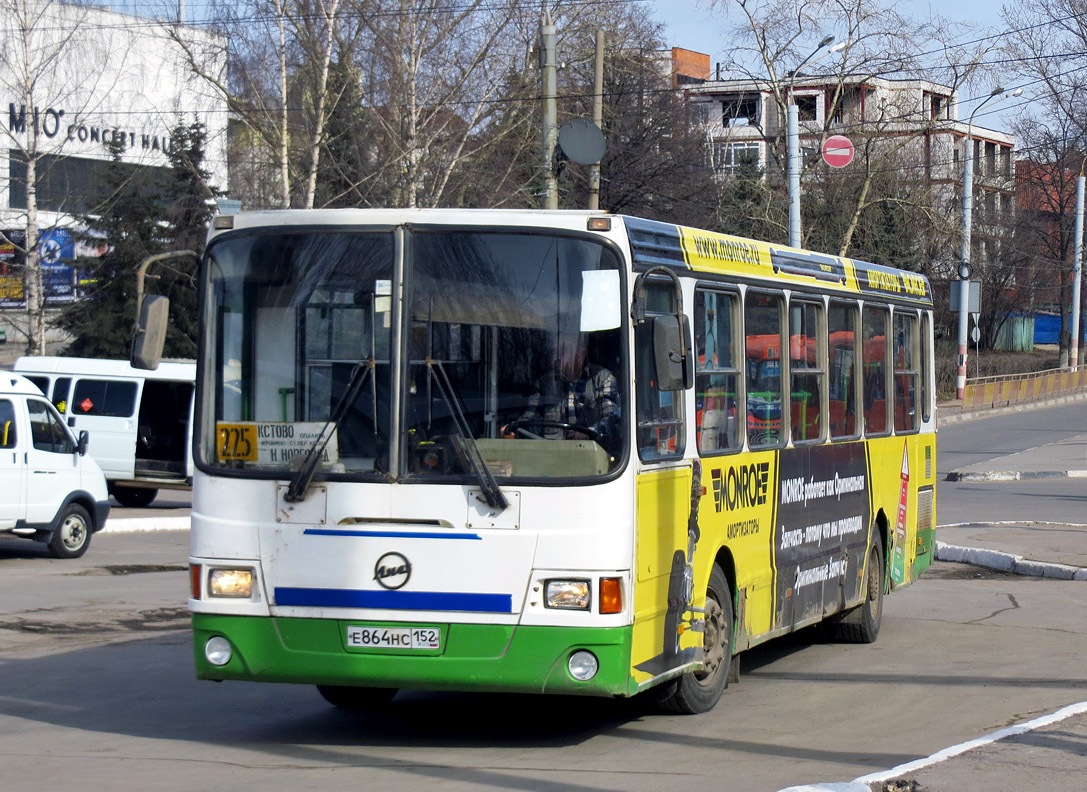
140,421
51,491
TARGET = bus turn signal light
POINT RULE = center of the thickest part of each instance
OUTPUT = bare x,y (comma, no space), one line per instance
194,580
611,595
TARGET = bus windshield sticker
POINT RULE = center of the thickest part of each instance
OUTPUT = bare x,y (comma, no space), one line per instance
600,309
271,442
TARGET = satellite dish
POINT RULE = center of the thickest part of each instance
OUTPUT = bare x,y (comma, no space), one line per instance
582,141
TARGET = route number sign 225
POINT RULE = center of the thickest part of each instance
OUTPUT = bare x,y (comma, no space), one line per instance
237,442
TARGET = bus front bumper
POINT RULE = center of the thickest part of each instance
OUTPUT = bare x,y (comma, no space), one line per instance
473,657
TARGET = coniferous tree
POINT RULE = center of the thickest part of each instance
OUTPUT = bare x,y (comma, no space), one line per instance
145,211
128,226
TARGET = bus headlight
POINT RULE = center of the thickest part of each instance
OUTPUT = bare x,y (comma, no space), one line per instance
583,665
230,583
568,594
217,650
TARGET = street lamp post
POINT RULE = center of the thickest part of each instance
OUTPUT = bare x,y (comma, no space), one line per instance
792,132
967,217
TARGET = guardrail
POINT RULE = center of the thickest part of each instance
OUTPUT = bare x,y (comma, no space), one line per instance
987,392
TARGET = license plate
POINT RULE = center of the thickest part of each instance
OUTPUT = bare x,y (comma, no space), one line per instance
359,637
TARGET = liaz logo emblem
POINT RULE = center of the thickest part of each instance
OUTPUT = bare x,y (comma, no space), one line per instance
392,571
740,487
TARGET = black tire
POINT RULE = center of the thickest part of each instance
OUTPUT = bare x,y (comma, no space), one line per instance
356,699
698,692
133,497
72,536
861,624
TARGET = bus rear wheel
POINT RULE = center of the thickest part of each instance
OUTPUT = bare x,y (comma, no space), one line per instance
698,692
861,625
356,699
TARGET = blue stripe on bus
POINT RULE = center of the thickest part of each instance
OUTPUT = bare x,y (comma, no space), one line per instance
390,534
394,600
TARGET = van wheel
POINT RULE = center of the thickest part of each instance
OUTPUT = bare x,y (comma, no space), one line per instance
133,497
72,536
356,698
699,691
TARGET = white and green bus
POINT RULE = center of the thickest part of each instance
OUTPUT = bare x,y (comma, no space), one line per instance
380,503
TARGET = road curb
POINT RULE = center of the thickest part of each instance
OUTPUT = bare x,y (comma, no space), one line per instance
957,750
143,524
956,417
1012,475
1007,562
867,783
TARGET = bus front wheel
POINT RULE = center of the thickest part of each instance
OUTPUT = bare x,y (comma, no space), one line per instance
698,692
356,699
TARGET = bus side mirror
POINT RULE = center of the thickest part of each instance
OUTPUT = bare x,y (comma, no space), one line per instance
672,352
150,332
82,443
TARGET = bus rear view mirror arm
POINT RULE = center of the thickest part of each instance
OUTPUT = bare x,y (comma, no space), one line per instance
152,315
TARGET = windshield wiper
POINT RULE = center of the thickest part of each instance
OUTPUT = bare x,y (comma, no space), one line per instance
300,482
492,493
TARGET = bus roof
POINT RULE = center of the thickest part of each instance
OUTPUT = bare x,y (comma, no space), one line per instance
55,364
654,243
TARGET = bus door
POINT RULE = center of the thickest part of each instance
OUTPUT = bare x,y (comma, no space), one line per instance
668,485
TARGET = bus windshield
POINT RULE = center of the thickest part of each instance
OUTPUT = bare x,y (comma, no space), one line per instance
513,344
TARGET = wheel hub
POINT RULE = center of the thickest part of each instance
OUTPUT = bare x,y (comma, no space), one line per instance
714,645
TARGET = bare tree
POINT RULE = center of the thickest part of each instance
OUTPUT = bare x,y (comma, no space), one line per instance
277,85
771,38
1048,47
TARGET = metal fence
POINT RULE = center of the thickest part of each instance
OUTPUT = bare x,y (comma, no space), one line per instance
987,392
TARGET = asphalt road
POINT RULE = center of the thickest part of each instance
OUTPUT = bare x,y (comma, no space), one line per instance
979,440
97,691
97,687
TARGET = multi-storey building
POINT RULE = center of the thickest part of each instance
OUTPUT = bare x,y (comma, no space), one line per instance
916,120
76,82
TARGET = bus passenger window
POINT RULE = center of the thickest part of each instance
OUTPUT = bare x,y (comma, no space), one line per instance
926,369
874,331
762,325
842,359
718,375
905,372
806,396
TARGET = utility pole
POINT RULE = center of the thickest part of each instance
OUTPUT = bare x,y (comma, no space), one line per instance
1077,281
967,222
549,70
598,119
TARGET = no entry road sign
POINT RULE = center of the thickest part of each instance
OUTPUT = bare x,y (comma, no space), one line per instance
838,151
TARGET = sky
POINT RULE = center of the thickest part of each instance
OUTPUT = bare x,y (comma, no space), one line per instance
690,25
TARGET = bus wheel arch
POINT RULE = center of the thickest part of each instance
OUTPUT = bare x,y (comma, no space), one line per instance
698,692
727,564
882,526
